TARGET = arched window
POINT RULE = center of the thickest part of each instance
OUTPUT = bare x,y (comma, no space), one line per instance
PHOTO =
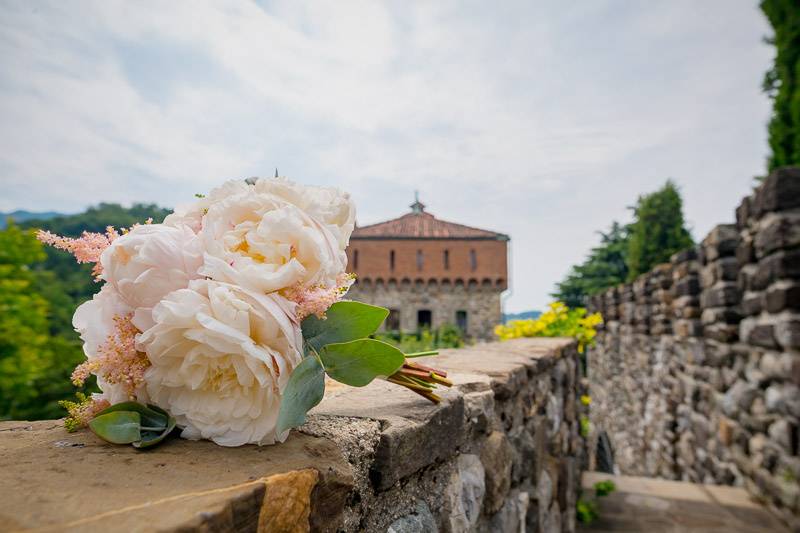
447,259
420,260
473,260
391,260
355,259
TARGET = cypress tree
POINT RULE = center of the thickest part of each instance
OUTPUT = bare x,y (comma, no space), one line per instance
658,230
782,82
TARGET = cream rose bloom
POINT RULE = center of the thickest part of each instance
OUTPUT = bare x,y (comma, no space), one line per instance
330,206
94,321
220,357
263,242
149,262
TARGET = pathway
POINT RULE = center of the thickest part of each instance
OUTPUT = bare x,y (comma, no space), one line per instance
660,506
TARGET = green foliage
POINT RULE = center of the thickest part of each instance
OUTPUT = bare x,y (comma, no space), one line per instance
337,346
446,336
35,364
658,230
133,423
585,425
558,321
587,508
782,82
39,291
586,511
604,488
358,362
304,390
344,321
604,267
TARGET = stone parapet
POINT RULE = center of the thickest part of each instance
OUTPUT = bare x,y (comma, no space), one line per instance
502,450
712,394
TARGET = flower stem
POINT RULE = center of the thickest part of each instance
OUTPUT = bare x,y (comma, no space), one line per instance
421,354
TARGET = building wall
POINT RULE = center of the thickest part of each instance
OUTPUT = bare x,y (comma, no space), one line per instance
373,260
481,302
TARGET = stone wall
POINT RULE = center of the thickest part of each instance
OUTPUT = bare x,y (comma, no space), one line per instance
480,301
502,452
696,372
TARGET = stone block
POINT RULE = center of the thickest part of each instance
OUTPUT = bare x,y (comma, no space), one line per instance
777,231
779,191
463,498
784,264
752,303
688,328
782,295
684,256
744,212
722,294
497,457
745,251
723,315
420,520
758,333
687,286
787,330
183,485
721,241
726,269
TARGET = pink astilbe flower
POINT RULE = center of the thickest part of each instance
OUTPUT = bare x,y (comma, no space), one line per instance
86,248
118,361
316,300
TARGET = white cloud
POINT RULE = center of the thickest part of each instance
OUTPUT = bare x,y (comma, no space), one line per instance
536,119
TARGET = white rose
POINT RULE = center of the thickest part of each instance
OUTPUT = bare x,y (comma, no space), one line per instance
150,261
94,321
192,214
262,242
329,205
220,357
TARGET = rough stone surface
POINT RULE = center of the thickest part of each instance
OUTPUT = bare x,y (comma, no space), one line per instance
714,400
374,459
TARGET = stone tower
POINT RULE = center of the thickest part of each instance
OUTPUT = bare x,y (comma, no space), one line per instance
429,272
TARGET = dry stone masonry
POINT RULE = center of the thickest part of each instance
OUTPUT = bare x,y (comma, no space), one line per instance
501,453
696,373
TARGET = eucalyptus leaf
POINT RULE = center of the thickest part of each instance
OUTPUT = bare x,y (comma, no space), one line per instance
304,390
151,438
151,415
118,427
357,363
345,321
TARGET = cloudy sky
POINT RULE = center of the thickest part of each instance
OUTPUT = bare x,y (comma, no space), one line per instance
541,119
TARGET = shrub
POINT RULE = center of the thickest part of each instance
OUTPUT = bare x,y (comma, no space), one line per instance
558,321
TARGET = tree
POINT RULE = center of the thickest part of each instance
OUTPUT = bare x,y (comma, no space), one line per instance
782,82
604,267
29,356
658,230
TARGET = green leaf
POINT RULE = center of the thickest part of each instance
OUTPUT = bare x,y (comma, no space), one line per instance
151,415
346,321
358,362
305,390
118,427
151,438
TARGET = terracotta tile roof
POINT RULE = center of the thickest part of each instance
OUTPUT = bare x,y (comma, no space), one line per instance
422,225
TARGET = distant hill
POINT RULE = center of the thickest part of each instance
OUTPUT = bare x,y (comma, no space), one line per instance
525,315
21,216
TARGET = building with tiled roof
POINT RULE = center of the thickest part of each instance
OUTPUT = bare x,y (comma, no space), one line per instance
430,272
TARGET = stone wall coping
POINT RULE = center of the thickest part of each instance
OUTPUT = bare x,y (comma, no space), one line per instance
51,480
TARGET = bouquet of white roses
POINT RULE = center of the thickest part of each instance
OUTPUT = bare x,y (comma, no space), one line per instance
224,320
